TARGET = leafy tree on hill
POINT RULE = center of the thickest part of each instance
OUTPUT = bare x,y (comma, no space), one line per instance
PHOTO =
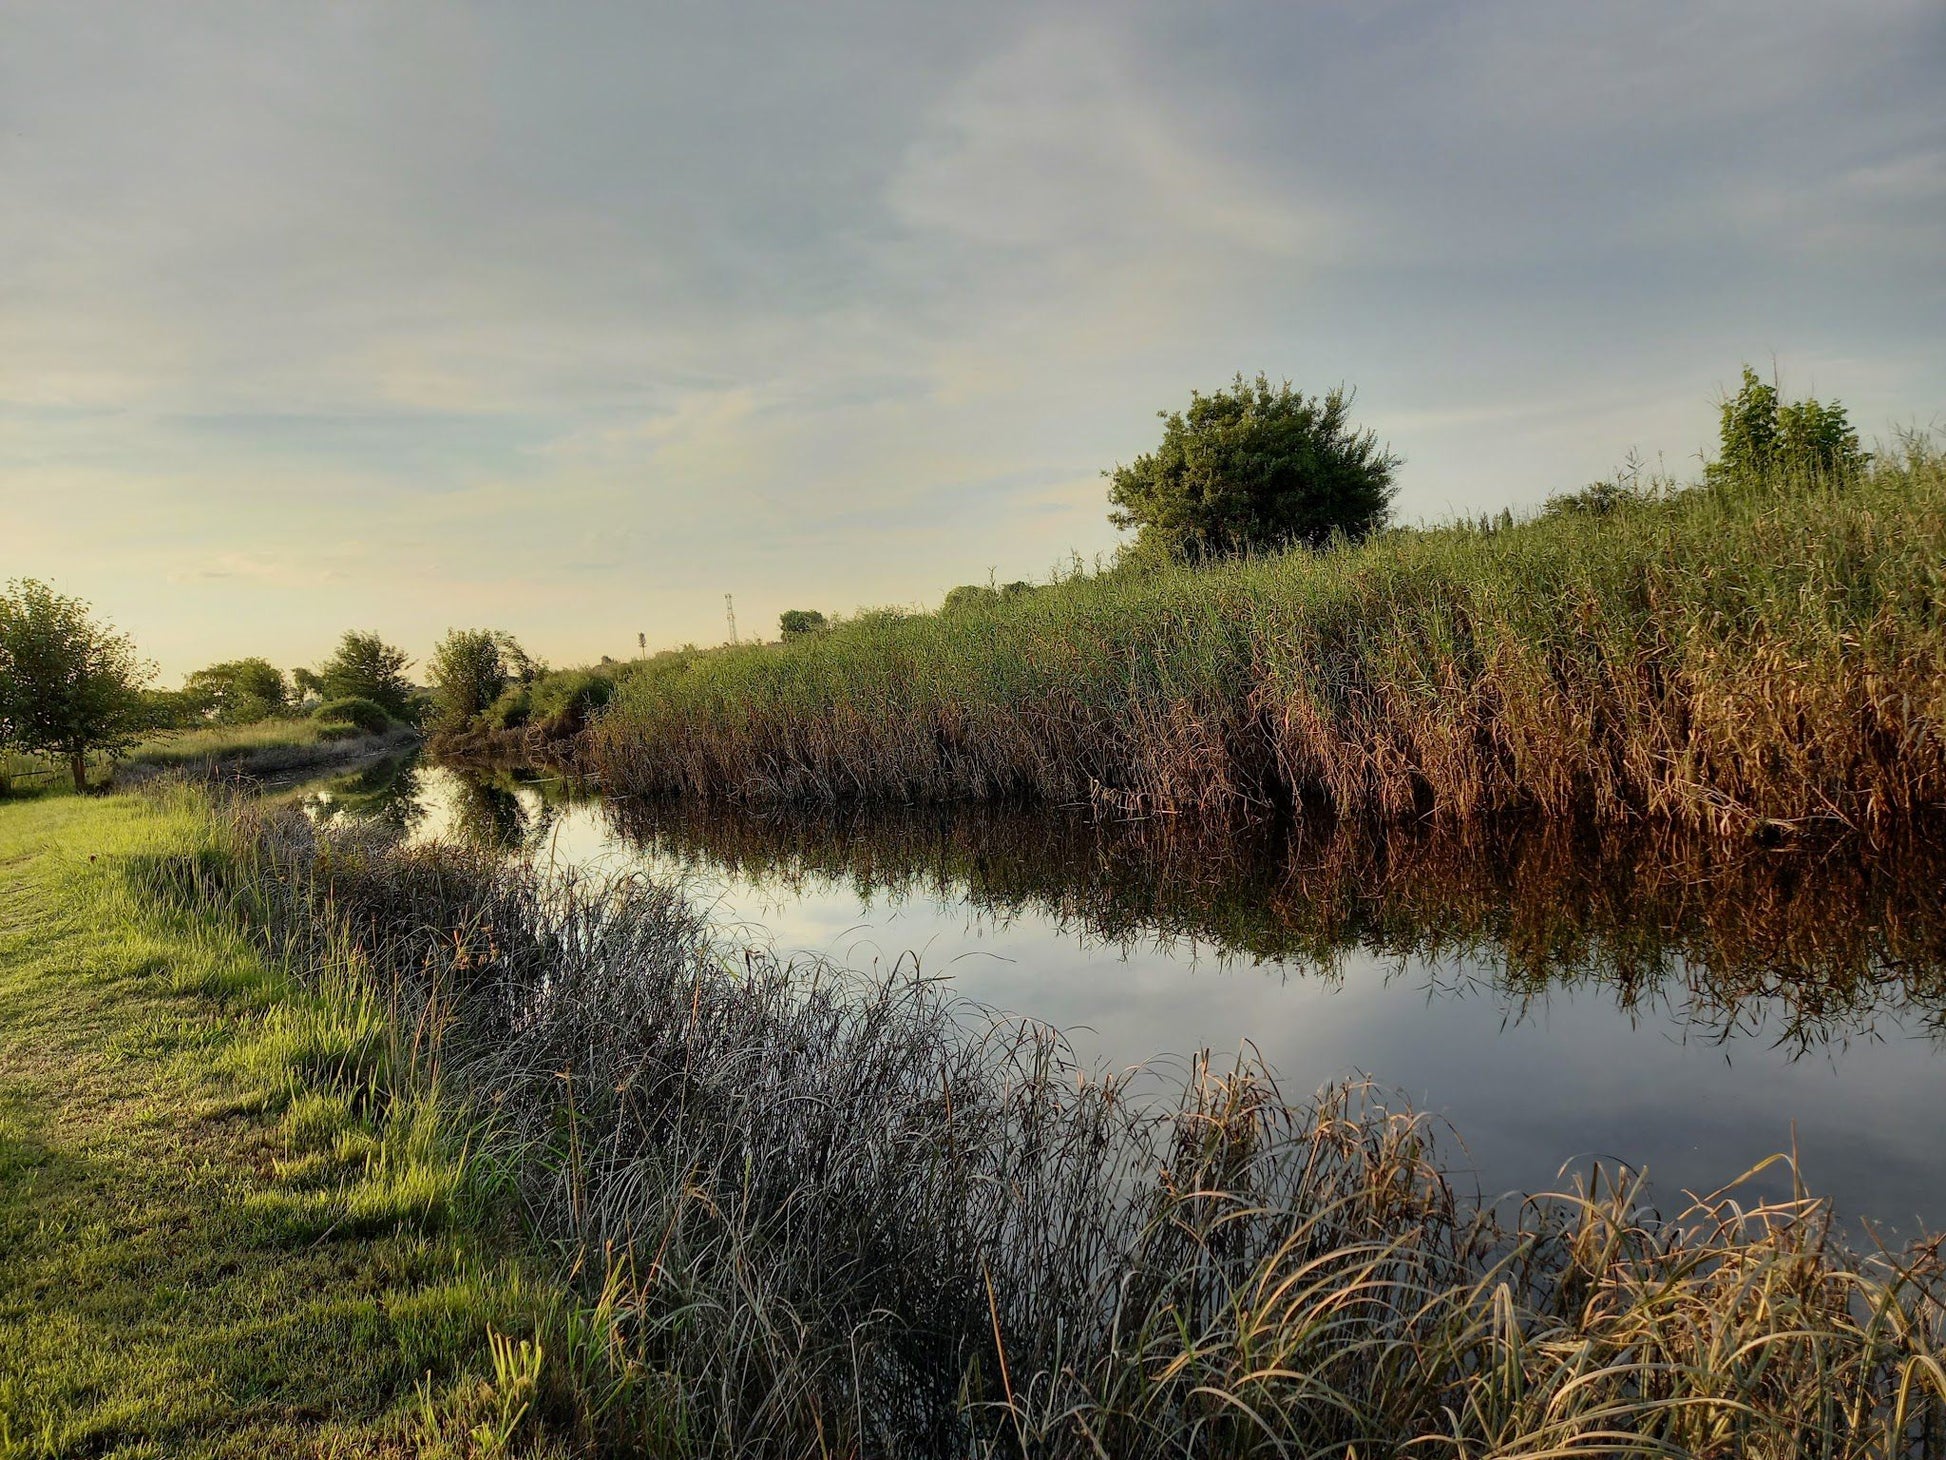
367,668
68,685
238,691
796,621
1254,468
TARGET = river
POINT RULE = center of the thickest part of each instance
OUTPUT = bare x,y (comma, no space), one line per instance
1556,1004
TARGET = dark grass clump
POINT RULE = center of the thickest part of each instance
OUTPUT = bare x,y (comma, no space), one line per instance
821,1214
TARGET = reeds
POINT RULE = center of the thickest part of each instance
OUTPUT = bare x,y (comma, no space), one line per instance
1752,652
823,1214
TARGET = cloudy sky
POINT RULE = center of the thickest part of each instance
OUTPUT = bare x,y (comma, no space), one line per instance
571,319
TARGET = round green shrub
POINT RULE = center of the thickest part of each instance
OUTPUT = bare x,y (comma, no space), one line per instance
360,714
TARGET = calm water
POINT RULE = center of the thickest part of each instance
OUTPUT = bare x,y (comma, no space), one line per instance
1554,1003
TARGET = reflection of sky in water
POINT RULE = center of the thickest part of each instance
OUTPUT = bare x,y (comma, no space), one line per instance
1563,1078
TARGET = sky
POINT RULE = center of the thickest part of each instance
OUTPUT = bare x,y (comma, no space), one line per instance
570,319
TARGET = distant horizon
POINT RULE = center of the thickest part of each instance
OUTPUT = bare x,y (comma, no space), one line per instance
569,323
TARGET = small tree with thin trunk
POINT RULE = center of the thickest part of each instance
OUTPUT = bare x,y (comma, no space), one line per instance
68,685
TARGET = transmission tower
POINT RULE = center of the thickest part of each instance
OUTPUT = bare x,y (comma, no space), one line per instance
730,613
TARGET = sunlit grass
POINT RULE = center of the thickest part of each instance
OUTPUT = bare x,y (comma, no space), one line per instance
224,1228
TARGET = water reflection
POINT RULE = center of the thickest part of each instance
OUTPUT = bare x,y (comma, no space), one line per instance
388,791
1555,996
1808,947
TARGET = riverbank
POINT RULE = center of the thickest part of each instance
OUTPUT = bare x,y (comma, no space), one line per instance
318,1142
827,1212
263,751
225,1229
1754,654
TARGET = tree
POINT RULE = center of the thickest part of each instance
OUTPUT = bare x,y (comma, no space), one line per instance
367,668
307,683
238,691
1760,435
795,622
1254,468
68,685
469,669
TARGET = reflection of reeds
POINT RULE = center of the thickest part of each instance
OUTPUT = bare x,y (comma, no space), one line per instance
829,1215
1756,651
1824,938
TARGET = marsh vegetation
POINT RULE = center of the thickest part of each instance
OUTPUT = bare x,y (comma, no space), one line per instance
1675,750
813,1211
1761,651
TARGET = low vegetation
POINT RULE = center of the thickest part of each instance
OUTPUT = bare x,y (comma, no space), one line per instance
1759,650
813,1213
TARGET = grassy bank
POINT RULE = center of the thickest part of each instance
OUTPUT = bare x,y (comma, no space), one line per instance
817,1214
263,750
1757,650
232,1221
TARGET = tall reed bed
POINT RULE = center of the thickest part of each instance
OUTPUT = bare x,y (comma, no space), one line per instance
1756,650
818,1214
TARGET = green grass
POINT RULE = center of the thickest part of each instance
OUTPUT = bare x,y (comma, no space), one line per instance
1755,651
266,748
225,1229
224,742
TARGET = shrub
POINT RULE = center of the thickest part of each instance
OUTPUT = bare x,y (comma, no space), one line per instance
470,670
795,621
564,700
1254,468
511,710
968,595
560,703
359,714
367,668
1761,436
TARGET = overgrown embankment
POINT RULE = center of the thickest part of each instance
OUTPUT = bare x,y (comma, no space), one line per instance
822,1214
1761,649
262,751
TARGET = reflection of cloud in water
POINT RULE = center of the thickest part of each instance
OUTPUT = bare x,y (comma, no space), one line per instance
1691,1011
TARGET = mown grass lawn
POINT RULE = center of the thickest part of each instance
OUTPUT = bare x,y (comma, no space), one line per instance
199,1252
